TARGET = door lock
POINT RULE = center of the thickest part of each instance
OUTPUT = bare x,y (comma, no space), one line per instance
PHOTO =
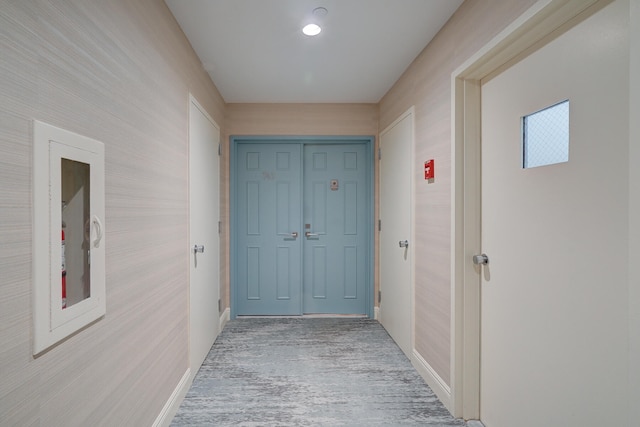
482,259
404,243
198,249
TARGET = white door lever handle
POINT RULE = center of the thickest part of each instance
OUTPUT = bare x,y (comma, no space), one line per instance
482,259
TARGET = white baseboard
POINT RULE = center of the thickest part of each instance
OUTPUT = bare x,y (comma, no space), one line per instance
376,313
171,407
433,380
224,318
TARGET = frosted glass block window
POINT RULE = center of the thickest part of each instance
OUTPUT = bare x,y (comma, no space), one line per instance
545,136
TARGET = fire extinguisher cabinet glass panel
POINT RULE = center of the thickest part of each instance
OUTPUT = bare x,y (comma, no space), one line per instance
76,227
69,271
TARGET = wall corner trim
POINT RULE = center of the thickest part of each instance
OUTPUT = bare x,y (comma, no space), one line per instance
224,318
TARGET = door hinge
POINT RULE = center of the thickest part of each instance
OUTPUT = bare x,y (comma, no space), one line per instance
379,297
379,225
219,149
379,153
219,227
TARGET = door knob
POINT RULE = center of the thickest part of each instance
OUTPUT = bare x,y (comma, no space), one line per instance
482,259
404,243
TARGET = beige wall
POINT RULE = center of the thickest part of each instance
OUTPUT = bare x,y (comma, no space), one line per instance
427,85
120,72
302,119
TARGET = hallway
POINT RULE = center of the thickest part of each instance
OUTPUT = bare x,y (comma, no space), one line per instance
309,372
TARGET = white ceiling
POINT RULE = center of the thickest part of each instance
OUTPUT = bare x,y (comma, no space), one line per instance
255,51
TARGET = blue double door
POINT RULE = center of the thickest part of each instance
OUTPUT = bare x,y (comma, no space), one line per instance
302,228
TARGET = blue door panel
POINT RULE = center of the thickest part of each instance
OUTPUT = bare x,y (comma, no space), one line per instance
283,206
350,267
283,273
268,258
253,273
318,273
285,188
318,201
336,211
252,210
351,208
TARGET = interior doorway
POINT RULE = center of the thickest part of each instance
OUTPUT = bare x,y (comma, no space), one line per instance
396,243
301,226
539,318
204,249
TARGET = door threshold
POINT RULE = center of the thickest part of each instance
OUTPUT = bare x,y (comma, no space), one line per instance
331,315
306,316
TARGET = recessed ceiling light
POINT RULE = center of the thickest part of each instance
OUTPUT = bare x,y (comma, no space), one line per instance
311,29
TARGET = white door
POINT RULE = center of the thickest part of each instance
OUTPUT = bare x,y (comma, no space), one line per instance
396,309
204,212
553,322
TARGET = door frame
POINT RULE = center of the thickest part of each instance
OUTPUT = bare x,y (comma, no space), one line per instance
540,24
409,113
235,140
193,102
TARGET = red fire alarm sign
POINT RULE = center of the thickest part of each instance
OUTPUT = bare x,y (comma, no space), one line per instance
429,172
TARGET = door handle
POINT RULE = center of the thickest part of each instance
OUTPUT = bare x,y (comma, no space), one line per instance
198,249
404,243
482,259
309,234
98,226
294,234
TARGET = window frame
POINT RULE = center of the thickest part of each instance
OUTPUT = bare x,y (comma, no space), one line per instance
52,323
525,143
